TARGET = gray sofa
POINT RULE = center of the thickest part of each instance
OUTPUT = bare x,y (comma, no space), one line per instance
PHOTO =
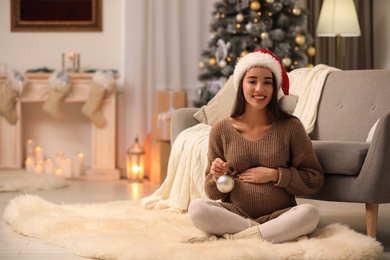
355,170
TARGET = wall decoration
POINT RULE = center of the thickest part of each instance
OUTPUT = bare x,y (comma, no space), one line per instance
49,16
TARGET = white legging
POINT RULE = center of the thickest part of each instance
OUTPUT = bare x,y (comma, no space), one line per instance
213,219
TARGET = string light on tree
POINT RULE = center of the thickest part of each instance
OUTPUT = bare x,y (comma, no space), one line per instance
243,53
212,61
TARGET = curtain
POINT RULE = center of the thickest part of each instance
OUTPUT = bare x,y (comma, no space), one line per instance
356,52
162,46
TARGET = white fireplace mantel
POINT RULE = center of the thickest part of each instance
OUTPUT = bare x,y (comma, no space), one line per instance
103,165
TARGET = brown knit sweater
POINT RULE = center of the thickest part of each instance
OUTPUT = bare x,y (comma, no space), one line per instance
286,147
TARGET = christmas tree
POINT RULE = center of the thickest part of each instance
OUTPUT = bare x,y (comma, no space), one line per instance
241,26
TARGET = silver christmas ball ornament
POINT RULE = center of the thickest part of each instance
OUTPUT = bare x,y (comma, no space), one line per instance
240,17
286,61
225,183
222,64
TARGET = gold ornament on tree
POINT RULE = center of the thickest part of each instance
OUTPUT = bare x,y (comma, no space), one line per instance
269,1
212,61
300,39
255,6
311,51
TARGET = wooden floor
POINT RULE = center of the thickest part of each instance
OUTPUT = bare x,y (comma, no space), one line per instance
15,246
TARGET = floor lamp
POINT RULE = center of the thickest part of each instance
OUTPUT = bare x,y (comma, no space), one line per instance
338,19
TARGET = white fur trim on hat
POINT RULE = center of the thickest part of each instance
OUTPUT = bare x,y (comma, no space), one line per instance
257,59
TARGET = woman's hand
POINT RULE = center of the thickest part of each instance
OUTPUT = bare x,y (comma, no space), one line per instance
219,168
259,175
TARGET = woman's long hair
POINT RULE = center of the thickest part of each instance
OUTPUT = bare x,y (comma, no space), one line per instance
273,107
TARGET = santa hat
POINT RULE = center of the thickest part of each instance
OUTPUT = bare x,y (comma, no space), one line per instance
262,58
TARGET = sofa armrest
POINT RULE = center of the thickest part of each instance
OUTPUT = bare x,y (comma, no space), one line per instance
181,119
375,173
372,184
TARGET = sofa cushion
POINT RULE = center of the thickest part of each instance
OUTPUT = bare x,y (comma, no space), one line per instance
337,157
219,107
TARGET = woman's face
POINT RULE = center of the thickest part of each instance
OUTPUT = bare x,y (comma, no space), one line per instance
257,86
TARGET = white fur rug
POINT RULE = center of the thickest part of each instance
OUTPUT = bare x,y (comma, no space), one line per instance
20,180
124,230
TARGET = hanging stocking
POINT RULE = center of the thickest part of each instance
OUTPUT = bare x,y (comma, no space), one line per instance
102,83
59,87
13,88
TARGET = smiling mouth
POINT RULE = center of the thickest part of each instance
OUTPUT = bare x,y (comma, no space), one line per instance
259,97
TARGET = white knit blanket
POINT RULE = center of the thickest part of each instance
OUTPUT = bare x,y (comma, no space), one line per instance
307,83
186,171
188,158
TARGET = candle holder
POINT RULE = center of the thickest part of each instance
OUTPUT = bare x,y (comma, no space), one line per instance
135,162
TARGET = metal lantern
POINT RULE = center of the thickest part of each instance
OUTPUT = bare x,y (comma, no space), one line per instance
135,162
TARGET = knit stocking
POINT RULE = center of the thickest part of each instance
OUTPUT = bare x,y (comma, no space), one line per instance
13,88
102,83
8,104
92,108
252,232
52,105
59,89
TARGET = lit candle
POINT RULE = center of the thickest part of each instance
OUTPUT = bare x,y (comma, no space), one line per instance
59,172
79,166
67,168
70,55
49,167
38,168
30,147
59,157
38,154
30,164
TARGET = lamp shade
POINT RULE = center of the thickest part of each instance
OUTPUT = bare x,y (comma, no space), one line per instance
338,17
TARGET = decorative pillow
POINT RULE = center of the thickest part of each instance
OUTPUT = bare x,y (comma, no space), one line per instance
220,106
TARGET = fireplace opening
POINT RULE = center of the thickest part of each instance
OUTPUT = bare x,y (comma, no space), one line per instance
71,137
